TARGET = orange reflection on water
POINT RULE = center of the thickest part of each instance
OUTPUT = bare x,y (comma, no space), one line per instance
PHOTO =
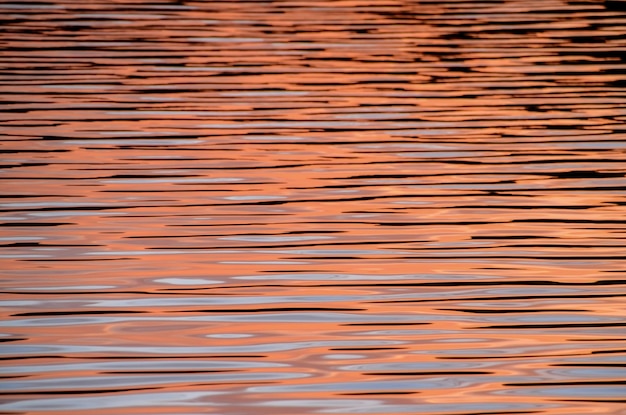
288,207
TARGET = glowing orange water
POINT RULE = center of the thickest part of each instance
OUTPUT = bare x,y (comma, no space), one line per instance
289,207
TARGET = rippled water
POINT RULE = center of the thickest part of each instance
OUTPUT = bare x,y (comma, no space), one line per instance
301,207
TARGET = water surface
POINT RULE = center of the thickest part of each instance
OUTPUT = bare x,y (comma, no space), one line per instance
313,207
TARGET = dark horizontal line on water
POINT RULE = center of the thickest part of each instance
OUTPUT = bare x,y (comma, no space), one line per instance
501,298
356,68
453,283
380,255
516,311
30,357
270,310
65,293
594,400
37,244
314,96
307,232
16,224
568,174
573,383
379,393
525,356
16,339
274,245
433,373
424,160
476,284
13,151
514,237
167,372
15,196
591,364
148,44
442,45
546,220
593,188
124,143
259,203
552,326
182,190
443,118
73,313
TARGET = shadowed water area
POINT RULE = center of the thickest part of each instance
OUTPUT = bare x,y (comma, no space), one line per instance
313,207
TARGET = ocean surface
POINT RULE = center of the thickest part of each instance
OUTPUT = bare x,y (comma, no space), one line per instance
300,207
